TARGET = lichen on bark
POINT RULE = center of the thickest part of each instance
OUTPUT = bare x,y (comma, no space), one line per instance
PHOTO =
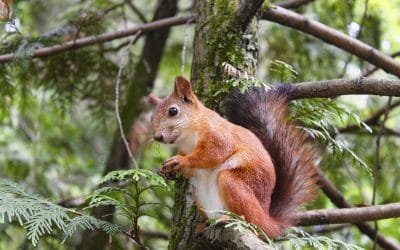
219,37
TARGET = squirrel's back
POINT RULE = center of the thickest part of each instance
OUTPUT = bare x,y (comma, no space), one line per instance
265,113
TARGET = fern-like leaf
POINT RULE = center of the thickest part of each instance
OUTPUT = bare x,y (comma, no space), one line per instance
40,216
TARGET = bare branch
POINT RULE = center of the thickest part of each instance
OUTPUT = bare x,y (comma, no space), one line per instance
331,88
340,201
321,31
373,70
357,86
87,41
117,82
293,4
349,215
154,235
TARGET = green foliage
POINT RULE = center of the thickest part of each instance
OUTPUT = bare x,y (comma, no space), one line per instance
51,109
130,197
135,175
321,118
282,71
231,84
40,216
86,222
297,238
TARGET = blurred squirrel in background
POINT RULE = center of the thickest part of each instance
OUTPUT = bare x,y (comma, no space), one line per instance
257,165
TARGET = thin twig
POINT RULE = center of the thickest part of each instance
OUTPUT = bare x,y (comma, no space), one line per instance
121,67
136,11
378,163
358,36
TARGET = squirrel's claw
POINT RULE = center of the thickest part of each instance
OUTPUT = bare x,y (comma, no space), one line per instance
173,164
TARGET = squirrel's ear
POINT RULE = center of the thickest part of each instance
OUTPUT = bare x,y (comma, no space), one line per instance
183,89
153,99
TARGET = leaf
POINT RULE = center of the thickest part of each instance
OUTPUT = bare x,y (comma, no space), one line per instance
40,217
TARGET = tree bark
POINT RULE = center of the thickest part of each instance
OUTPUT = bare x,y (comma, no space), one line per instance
144,74
224,33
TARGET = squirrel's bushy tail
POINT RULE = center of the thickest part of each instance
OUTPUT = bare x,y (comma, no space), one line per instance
265,113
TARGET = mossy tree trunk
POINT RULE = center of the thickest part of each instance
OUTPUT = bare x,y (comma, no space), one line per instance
144,74
226,31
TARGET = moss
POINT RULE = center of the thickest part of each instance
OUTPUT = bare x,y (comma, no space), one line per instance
223,35
266,6
223,45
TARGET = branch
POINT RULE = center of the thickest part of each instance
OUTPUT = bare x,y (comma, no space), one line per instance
136,11
338,199
293,4
321,31
373,70
357,86
275,14
87,41
246,11
331,88
219,237
357,131
373,120
349,215
154,235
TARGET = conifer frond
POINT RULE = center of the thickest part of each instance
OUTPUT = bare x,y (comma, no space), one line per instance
135,175
282,72
40,216
300,239
321,119
86,222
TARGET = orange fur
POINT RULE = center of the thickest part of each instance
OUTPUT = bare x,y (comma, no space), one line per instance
227,164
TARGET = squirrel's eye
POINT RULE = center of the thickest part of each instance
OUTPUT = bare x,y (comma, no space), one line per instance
172,111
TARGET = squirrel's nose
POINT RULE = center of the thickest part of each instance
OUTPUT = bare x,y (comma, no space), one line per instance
158,137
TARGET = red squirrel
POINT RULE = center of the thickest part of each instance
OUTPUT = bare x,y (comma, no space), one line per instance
257,165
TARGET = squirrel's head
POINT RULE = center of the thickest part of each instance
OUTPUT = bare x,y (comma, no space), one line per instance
175,114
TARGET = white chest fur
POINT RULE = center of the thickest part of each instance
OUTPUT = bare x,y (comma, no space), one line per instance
204,181
206,190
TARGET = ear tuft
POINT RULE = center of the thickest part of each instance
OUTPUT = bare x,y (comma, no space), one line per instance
153,99
183,89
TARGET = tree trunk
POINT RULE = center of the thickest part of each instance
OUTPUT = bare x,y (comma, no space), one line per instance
145,72
226,31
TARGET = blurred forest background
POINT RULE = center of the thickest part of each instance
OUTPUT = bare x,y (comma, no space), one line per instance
59,134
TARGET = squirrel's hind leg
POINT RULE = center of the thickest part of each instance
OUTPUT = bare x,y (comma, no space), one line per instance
240,199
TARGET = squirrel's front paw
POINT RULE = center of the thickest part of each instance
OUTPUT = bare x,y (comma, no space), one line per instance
173,164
